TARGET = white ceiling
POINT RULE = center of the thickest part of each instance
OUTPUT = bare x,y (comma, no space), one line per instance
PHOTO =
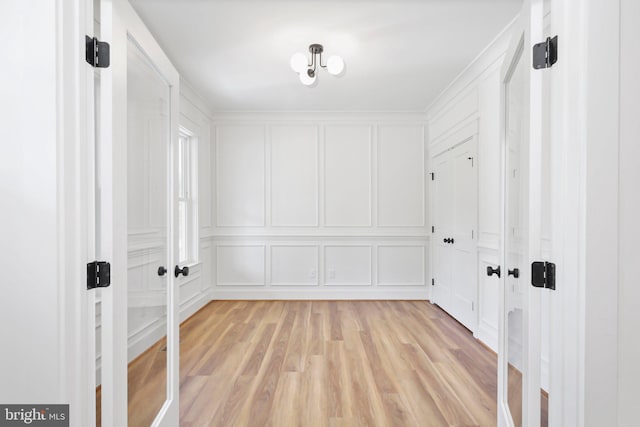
399,54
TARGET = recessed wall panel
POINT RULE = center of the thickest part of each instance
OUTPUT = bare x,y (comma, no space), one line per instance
240,265
294,265
294,176
347,170
401,176
401,265
240,157
347,265
205,172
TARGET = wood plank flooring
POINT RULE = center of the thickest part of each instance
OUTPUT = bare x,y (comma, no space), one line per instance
327,363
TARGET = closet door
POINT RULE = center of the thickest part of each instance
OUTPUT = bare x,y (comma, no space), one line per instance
138,122
442,190
463,247
454,190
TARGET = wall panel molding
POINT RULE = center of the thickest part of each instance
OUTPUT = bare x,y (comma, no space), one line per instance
346,162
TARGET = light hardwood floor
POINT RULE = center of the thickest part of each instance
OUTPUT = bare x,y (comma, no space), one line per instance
322,363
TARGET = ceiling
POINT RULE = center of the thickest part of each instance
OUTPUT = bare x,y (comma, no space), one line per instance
399,54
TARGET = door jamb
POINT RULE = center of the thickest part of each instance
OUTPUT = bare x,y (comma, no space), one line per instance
74,124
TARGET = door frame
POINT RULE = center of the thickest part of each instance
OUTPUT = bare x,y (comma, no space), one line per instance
468,134
585,137
74,152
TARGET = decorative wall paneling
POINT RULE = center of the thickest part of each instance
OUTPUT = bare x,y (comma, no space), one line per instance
302,176
327,268
320,205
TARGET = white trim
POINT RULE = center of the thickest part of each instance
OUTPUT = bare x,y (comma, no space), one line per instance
314,116
336,293
73,20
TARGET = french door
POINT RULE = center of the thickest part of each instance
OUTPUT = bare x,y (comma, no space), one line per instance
137,118
519,356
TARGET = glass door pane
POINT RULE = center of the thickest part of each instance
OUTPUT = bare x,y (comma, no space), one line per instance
516,229
149,269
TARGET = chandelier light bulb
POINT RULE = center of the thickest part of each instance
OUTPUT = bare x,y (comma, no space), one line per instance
306,79
335,65
299,62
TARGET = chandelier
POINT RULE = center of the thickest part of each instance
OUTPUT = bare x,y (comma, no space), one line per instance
306,69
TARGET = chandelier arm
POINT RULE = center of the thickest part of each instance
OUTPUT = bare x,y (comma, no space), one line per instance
323,66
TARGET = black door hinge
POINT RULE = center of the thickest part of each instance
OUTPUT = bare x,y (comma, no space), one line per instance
433,176
433,282
543,275
97,52
545,54
433,229
98,274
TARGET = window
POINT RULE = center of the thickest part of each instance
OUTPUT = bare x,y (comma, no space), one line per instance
187,198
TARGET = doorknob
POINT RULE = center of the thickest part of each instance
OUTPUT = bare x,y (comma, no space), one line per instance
162,271
184,271
515,273
451,240
491,271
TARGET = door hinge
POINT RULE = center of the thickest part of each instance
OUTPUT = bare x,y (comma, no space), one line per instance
543,275
433,176
433,282
97,53
98,274
545,54
433,229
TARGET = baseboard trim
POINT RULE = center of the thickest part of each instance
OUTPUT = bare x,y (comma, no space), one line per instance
320,294
488,335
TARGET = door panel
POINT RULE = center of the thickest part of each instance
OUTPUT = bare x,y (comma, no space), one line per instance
138,122
443,204
463,248
519,357
148,143
455,207
516,231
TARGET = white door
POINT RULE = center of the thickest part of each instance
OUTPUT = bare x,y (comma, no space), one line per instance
454,200
443,223
137,143
463,237
519,361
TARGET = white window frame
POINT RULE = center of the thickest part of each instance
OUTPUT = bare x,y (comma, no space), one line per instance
189,198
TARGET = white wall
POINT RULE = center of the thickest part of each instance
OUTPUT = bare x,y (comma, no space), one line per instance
470,107
326,205
600,245
629,209
29,315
